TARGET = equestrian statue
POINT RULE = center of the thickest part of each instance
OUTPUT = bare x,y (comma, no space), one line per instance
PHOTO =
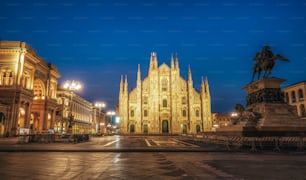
265,61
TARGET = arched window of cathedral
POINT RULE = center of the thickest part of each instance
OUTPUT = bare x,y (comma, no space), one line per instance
301,97
197,113
184,113
164,102
184,101
145,113
164,85
293,98
132,113
145,100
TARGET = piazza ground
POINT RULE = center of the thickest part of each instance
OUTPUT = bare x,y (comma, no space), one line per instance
139,157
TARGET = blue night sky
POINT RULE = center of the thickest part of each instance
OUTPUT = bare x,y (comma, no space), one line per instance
97,41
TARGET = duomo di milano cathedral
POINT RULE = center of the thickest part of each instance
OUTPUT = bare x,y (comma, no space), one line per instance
164,102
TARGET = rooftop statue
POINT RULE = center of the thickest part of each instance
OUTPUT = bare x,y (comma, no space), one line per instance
264,61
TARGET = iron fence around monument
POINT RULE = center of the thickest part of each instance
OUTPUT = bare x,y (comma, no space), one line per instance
274,143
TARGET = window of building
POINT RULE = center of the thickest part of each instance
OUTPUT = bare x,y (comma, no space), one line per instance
164,102
184,101
197,113
145,113
132,113
302,109
293,98
286,97
26,80
301,96
6,78
164,84
184,113
145,100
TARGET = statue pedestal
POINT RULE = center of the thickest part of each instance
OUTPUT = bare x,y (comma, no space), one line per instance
276,116
266,113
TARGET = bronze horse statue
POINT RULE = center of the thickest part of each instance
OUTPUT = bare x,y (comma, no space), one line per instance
265,61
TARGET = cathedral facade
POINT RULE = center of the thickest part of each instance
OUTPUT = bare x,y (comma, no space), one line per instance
164,102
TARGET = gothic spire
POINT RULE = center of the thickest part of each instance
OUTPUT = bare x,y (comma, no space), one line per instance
202,84
125,84
189,74
153,61
172,61
176,62
207,86
138,73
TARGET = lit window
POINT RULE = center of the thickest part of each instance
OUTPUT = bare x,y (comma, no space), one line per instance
293,98
184,113
145,113
301,97
145,100
197,113
164,85
132,113
164,103
184,101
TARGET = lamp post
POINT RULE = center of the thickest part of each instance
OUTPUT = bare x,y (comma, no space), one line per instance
71,86
109,125
99,105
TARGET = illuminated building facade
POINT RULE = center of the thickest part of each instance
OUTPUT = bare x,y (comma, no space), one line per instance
99,121
28,87
221,119
80,109
163,102
295,95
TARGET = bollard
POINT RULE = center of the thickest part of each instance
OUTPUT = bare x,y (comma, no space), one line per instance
276,143
253,146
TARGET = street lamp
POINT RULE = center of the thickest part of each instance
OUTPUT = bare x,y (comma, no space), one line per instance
99,105
110,113
71,86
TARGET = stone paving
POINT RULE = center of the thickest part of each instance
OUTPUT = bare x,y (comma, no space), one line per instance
112,144
145,157
200,165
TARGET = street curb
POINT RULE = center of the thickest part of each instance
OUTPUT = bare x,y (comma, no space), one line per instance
114,150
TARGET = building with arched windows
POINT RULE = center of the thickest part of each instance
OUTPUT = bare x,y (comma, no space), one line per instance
28,86
30,99
164,102
73,110
295,95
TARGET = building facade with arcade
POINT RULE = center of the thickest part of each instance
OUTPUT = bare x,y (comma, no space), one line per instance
28,87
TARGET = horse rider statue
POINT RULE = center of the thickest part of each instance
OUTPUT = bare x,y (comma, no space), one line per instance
265,61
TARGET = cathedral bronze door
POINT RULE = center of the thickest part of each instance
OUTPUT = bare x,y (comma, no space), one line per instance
184,129
145,128
198,129
165,128
132,128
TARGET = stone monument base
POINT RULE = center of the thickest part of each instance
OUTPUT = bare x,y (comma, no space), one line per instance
266,113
